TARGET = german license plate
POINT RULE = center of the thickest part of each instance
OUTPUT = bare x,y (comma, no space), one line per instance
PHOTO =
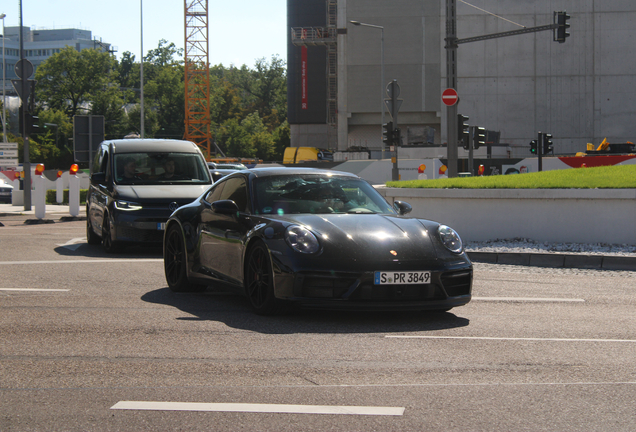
402,278
161,226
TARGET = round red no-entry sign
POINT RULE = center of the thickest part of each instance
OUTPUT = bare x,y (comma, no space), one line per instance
449,97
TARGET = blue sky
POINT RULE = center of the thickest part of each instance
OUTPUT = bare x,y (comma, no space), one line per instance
241,31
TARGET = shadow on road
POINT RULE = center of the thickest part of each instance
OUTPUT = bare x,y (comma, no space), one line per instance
97,251
234,311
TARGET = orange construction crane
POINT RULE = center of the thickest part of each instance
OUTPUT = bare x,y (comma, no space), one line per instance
197,75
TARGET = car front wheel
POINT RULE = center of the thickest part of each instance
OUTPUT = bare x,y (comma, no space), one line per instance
259,282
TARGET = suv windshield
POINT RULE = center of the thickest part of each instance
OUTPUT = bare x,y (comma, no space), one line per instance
160,168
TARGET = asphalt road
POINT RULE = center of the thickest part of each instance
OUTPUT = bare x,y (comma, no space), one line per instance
93,342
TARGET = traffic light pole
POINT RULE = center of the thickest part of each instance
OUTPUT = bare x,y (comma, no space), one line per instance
452,43
540,150
452,136
471,149
25,134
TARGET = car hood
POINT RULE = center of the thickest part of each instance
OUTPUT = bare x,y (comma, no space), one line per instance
373,237
158,193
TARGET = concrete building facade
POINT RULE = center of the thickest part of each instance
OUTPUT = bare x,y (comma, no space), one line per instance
580,91
40,44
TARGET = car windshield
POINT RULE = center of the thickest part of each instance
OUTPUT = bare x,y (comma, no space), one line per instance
160,168
317,194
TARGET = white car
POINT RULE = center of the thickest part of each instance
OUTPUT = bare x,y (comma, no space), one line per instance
5,192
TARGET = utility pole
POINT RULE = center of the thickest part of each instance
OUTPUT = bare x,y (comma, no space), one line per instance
452,137
25,133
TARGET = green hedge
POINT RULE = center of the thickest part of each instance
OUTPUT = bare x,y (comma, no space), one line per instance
51,196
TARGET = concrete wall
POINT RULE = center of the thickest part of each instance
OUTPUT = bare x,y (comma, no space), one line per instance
561,215
580,91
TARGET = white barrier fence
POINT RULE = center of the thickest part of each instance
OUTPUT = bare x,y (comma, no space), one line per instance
551,215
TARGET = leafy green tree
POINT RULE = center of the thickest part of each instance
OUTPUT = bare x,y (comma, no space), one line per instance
55,147
166,54
166,97
236,140
69,80
257,135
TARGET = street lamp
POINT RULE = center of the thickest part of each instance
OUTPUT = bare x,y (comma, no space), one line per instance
4,79
358,23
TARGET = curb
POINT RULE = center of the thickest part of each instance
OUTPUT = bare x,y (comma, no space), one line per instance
578,261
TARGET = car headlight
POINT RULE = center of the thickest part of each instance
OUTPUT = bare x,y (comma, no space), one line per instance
450,239
301,239
127,205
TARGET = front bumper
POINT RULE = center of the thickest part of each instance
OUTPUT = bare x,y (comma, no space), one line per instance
143,226
356,291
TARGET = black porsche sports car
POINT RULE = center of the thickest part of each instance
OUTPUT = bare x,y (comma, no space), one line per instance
317,238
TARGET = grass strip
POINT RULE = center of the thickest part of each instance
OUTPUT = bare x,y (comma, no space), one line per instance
608,177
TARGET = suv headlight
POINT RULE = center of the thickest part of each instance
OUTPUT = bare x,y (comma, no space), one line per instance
127,205
301,239
450,239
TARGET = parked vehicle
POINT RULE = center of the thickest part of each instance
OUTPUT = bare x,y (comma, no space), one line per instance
317,238
228,165
5,192
136,184
303,154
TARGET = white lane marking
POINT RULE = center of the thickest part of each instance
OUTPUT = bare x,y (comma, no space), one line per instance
528,299
74,244
34,289
96,261
510,338
258,408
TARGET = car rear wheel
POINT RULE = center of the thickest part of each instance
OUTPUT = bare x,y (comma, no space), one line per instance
110,245
174,263
259,282
91,237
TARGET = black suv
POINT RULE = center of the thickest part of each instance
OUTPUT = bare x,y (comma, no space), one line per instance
136,184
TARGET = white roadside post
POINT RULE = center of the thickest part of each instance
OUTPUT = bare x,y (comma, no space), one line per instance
40,193
16,194
73,191
59,188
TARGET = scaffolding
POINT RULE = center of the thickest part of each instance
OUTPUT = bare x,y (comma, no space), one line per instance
324,36
196,75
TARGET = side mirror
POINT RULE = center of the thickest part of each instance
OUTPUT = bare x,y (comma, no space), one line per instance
225,207
98,178
402,207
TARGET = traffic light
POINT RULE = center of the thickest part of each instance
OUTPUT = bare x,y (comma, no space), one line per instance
463,133
387,134
31,123
479,137
547,144
533,146
561,19
397,136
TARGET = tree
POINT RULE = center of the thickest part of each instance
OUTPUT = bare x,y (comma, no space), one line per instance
263,89
165,95
257,135
69,80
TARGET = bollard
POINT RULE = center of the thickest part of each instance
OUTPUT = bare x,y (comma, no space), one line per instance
39,195
16,195
59,188
73,191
